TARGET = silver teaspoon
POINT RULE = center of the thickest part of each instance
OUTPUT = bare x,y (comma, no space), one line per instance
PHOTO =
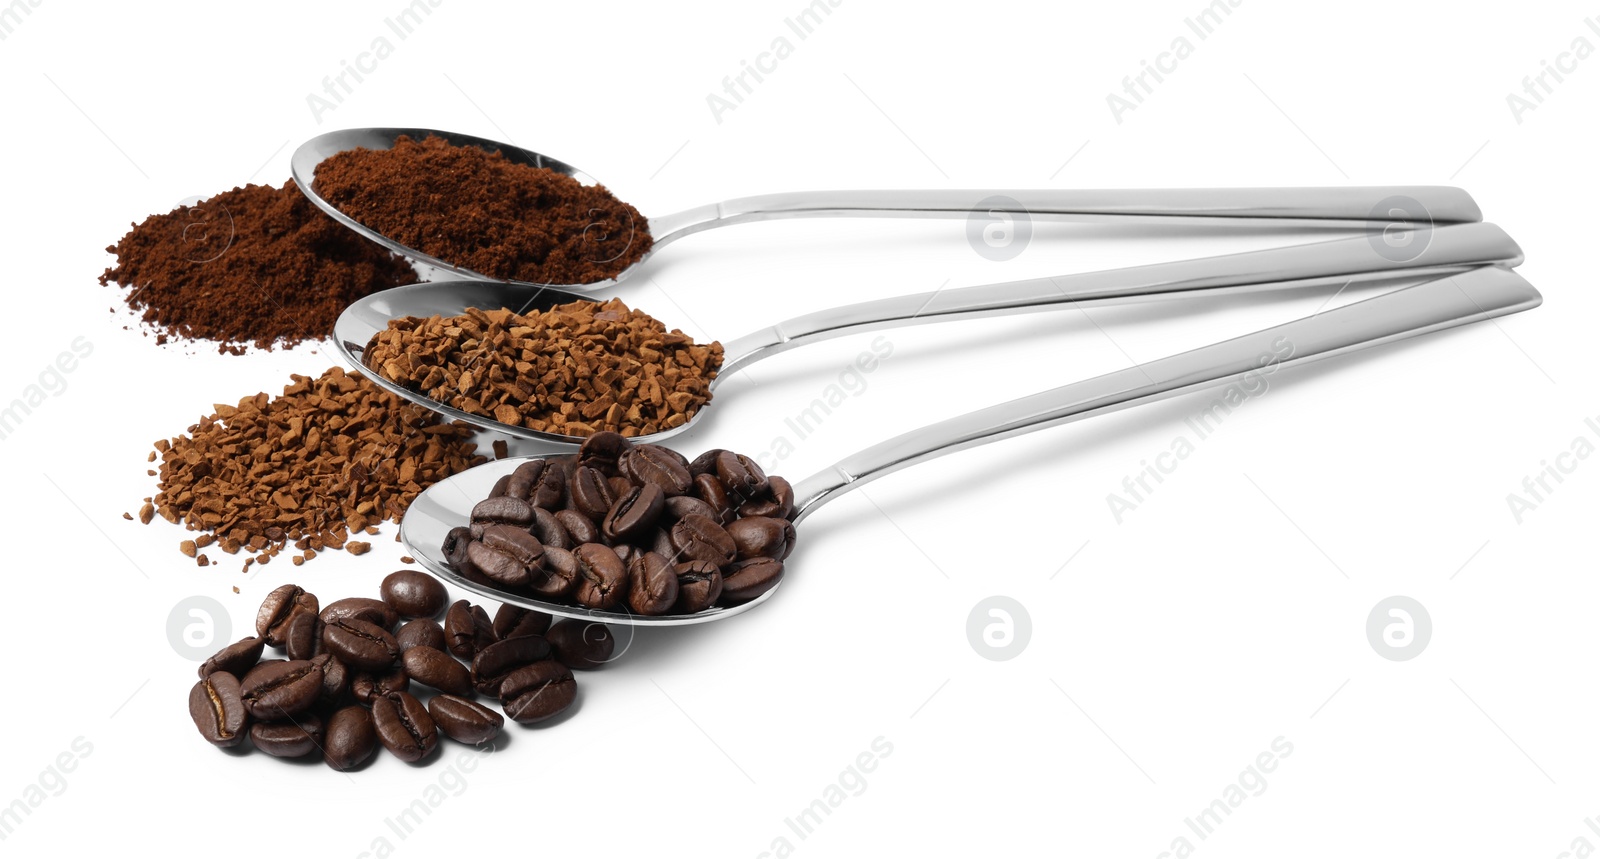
1338,262
1376,208
1446,302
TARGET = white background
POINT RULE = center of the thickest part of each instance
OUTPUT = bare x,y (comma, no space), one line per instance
1226,611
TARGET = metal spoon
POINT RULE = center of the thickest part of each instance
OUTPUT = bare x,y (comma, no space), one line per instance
1342,261
1482,293
1374,208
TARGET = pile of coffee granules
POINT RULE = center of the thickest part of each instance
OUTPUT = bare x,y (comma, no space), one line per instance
326,461
575,369
257,265
484,212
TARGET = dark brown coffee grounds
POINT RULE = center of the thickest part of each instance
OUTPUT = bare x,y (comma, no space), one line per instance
482,211
331,457
255,265
575,369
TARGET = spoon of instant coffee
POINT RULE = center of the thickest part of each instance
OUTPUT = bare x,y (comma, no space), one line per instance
1374,208
1482,293
1339,262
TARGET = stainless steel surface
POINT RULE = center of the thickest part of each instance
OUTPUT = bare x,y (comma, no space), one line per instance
1370,208
1446,302
1349,260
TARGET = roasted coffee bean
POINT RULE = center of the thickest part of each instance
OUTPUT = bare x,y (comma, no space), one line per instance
601,576
705,463
277,690
634,514
512,621
438,670
504,510
404,726
747,580
626,553
536,692
463,720
467,628
272,620
521,482
709,489
602,450
375,612
652,584
455,549
579,527
684,505
661,544
698,538
583,645
236,658
218,709
301,638
560,576
288,739
699,585
620,486
495,662
361,645
778,503
741,476
413,594
366,686
549,529
349,739
501,487
509,555
423,631
591,493
335,678
551,490
656,465
762,537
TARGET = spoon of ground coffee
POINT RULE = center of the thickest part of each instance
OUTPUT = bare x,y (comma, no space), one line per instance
1482,293
417,362
481,208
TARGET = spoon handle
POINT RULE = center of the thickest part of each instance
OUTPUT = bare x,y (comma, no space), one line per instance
1374,257
1438,204
1446,302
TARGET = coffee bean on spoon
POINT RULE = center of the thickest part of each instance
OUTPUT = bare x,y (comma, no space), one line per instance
360,644
652,584
746,580
652,464
591,492
699,538
699,586
579,527
510,556
350,738
404,726
438,670
235,659
761,537
740,475
463,720
705,463
218,710
420,631
601,576
582,645
522,481
503,510
560,576
549,530
778,503
634,513
413,594
709,489
277,690
602,450
537,692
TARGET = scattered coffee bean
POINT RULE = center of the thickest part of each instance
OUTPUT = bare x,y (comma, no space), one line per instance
375,612
513,621
493,663
463,720
361,645
277,690
301,638
349,739
582,645
288,739
467,628
414,594
404,726
423,631
218,709
235,659
366,686
439,670
272,620
335,678
536,692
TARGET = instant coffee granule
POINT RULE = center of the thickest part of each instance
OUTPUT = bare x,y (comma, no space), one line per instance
255,265
328,459
575,369
482,211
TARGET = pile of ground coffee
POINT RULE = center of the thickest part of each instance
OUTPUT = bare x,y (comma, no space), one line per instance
257,265
482,211
575,369
326,461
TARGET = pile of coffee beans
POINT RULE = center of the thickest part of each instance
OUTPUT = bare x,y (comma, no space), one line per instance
574,369
631,527
345,685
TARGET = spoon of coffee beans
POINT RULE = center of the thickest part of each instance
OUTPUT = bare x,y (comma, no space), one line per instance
636,533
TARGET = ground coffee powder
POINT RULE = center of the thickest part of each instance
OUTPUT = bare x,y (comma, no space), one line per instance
482,211
257,265
575,369
330,458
